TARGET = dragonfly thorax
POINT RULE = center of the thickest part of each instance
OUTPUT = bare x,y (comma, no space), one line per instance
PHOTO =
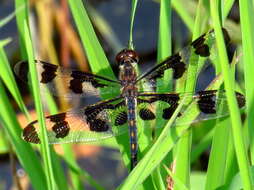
128,78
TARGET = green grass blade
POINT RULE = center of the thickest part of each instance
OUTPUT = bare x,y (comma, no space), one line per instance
177,182
76,170
20,17
216,167
7,76
181,9
27,157
164,50
182,157
227,7
37,99
97,59
7,19
247,27
133,11
105,29
68,154
232,103
154,156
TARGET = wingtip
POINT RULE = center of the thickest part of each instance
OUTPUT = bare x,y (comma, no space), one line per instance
240,99
226,35
21,70
30,135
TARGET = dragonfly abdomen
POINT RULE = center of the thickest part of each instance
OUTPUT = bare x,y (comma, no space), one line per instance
131,103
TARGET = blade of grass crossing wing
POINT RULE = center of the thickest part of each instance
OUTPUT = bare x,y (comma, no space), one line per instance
36,94
158,151
140,124
97,59
27,157
8,78
75,178
247,27
232,103
220,143
183,148
164,41
164,50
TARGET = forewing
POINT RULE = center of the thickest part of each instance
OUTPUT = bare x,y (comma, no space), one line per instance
178,62
209,105
77,83
92,123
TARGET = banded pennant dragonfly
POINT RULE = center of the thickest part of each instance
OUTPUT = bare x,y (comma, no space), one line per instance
107,118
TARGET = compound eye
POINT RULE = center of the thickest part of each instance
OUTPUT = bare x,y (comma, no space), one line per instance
126,54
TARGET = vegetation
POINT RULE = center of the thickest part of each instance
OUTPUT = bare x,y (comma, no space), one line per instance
176,154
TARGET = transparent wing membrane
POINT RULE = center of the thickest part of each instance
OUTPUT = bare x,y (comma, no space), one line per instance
109,118
179,62
77,83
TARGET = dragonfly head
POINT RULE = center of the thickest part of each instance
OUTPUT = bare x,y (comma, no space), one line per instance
127,56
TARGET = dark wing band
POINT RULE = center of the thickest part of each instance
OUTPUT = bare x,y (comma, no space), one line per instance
178,62
78,83
92,123
210,104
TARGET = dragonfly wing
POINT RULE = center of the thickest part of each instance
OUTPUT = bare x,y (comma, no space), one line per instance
210,104
92,123
79,84
178,62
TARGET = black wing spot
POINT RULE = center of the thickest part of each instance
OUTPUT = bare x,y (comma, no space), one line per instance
98,125
79,77
170,99
201,48
49,72
21,70
206,101
168,112
121,118
240,99
226,36
92,111
146,114
173,62
178,68
76,86
57,118
30,134
61,129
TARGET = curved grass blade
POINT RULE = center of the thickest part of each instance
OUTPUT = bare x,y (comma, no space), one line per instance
232,103
7,76
24,151
133,11
39,110
158,151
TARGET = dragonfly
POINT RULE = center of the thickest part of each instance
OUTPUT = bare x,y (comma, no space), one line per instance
107,118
